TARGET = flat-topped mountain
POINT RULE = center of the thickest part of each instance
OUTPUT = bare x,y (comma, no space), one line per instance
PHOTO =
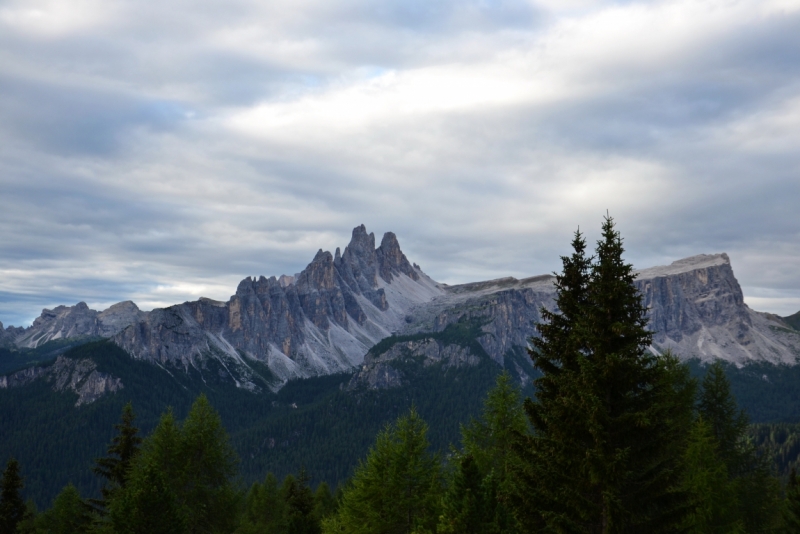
326,318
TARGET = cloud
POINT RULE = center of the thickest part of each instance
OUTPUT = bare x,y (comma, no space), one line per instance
162,151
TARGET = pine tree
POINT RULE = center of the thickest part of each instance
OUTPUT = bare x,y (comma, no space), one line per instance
397,489
727,422
715,504
610,418
791,515
467,507
758,492
181,480
69,514
299,505
483,474
114,467
265,508
12,507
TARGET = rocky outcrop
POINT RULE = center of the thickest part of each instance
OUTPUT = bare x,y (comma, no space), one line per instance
76,321
79,376
695,308
322,320
380,371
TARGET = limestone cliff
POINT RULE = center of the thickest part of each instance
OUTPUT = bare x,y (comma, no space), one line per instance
323,320
65,322
79,376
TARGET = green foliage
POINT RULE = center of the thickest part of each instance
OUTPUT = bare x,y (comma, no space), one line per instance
726,421
463,333
13,359
757,491
265,509
124,447
12,507
479,493
791,515
182,477
713,492
397,488
69,514
610,419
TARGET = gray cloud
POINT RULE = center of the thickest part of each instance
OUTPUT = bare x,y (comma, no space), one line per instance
164,151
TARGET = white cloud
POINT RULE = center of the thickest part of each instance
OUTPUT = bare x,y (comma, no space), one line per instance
185,145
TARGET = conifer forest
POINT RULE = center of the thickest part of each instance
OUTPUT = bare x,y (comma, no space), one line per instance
606,437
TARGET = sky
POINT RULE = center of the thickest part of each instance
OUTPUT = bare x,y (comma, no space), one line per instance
159,151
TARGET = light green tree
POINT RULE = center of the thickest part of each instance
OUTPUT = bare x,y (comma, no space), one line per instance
397,489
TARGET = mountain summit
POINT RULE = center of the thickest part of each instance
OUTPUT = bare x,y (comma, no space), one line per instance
326,318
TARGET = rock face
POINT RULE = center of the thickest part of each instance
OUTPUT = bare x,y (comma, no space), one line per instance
696,309
321,321
695,306
76,321
79,376
380,372
325,318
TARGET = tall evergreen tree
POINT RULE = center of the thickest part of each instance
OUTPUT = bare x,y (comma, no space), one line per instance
713,493
758,492
12,507
610,418
791,514
397,489
181,480
114,467
69,515
482,482
300,505
727,422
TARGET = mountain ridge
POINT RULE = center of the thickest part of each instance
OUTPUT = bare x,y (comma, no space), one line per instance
325,319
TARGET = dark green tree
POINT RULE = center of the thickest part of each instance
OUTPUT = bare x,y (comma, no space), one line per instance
12,507
124,447
182,479
300,505
791,515
397,489
715,506
265,509
149,502
69,515
758,492
468,505
482,477
611,419
727,422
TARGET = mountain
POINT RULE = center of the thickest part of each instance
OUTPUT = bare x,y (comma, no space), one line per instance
326,319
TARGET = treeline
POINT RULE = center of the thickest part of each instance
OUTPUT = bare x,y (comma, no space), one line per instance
615,439
183,478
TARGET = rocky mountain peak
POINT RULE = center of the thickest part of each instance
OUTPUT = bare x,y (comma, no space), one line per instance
391,259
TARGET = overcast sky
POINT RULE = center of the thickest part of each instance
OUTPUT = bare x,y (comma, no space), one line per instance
160,151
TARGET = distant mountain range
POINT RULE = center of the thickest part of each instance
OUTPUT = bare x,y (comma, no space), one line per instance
325,319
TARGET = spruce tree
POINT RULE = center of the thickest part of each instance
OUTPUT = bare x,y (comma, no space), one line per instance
610,418
758,492
482,477
12,507
69,514
397,490
114,467
791,514
727,422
